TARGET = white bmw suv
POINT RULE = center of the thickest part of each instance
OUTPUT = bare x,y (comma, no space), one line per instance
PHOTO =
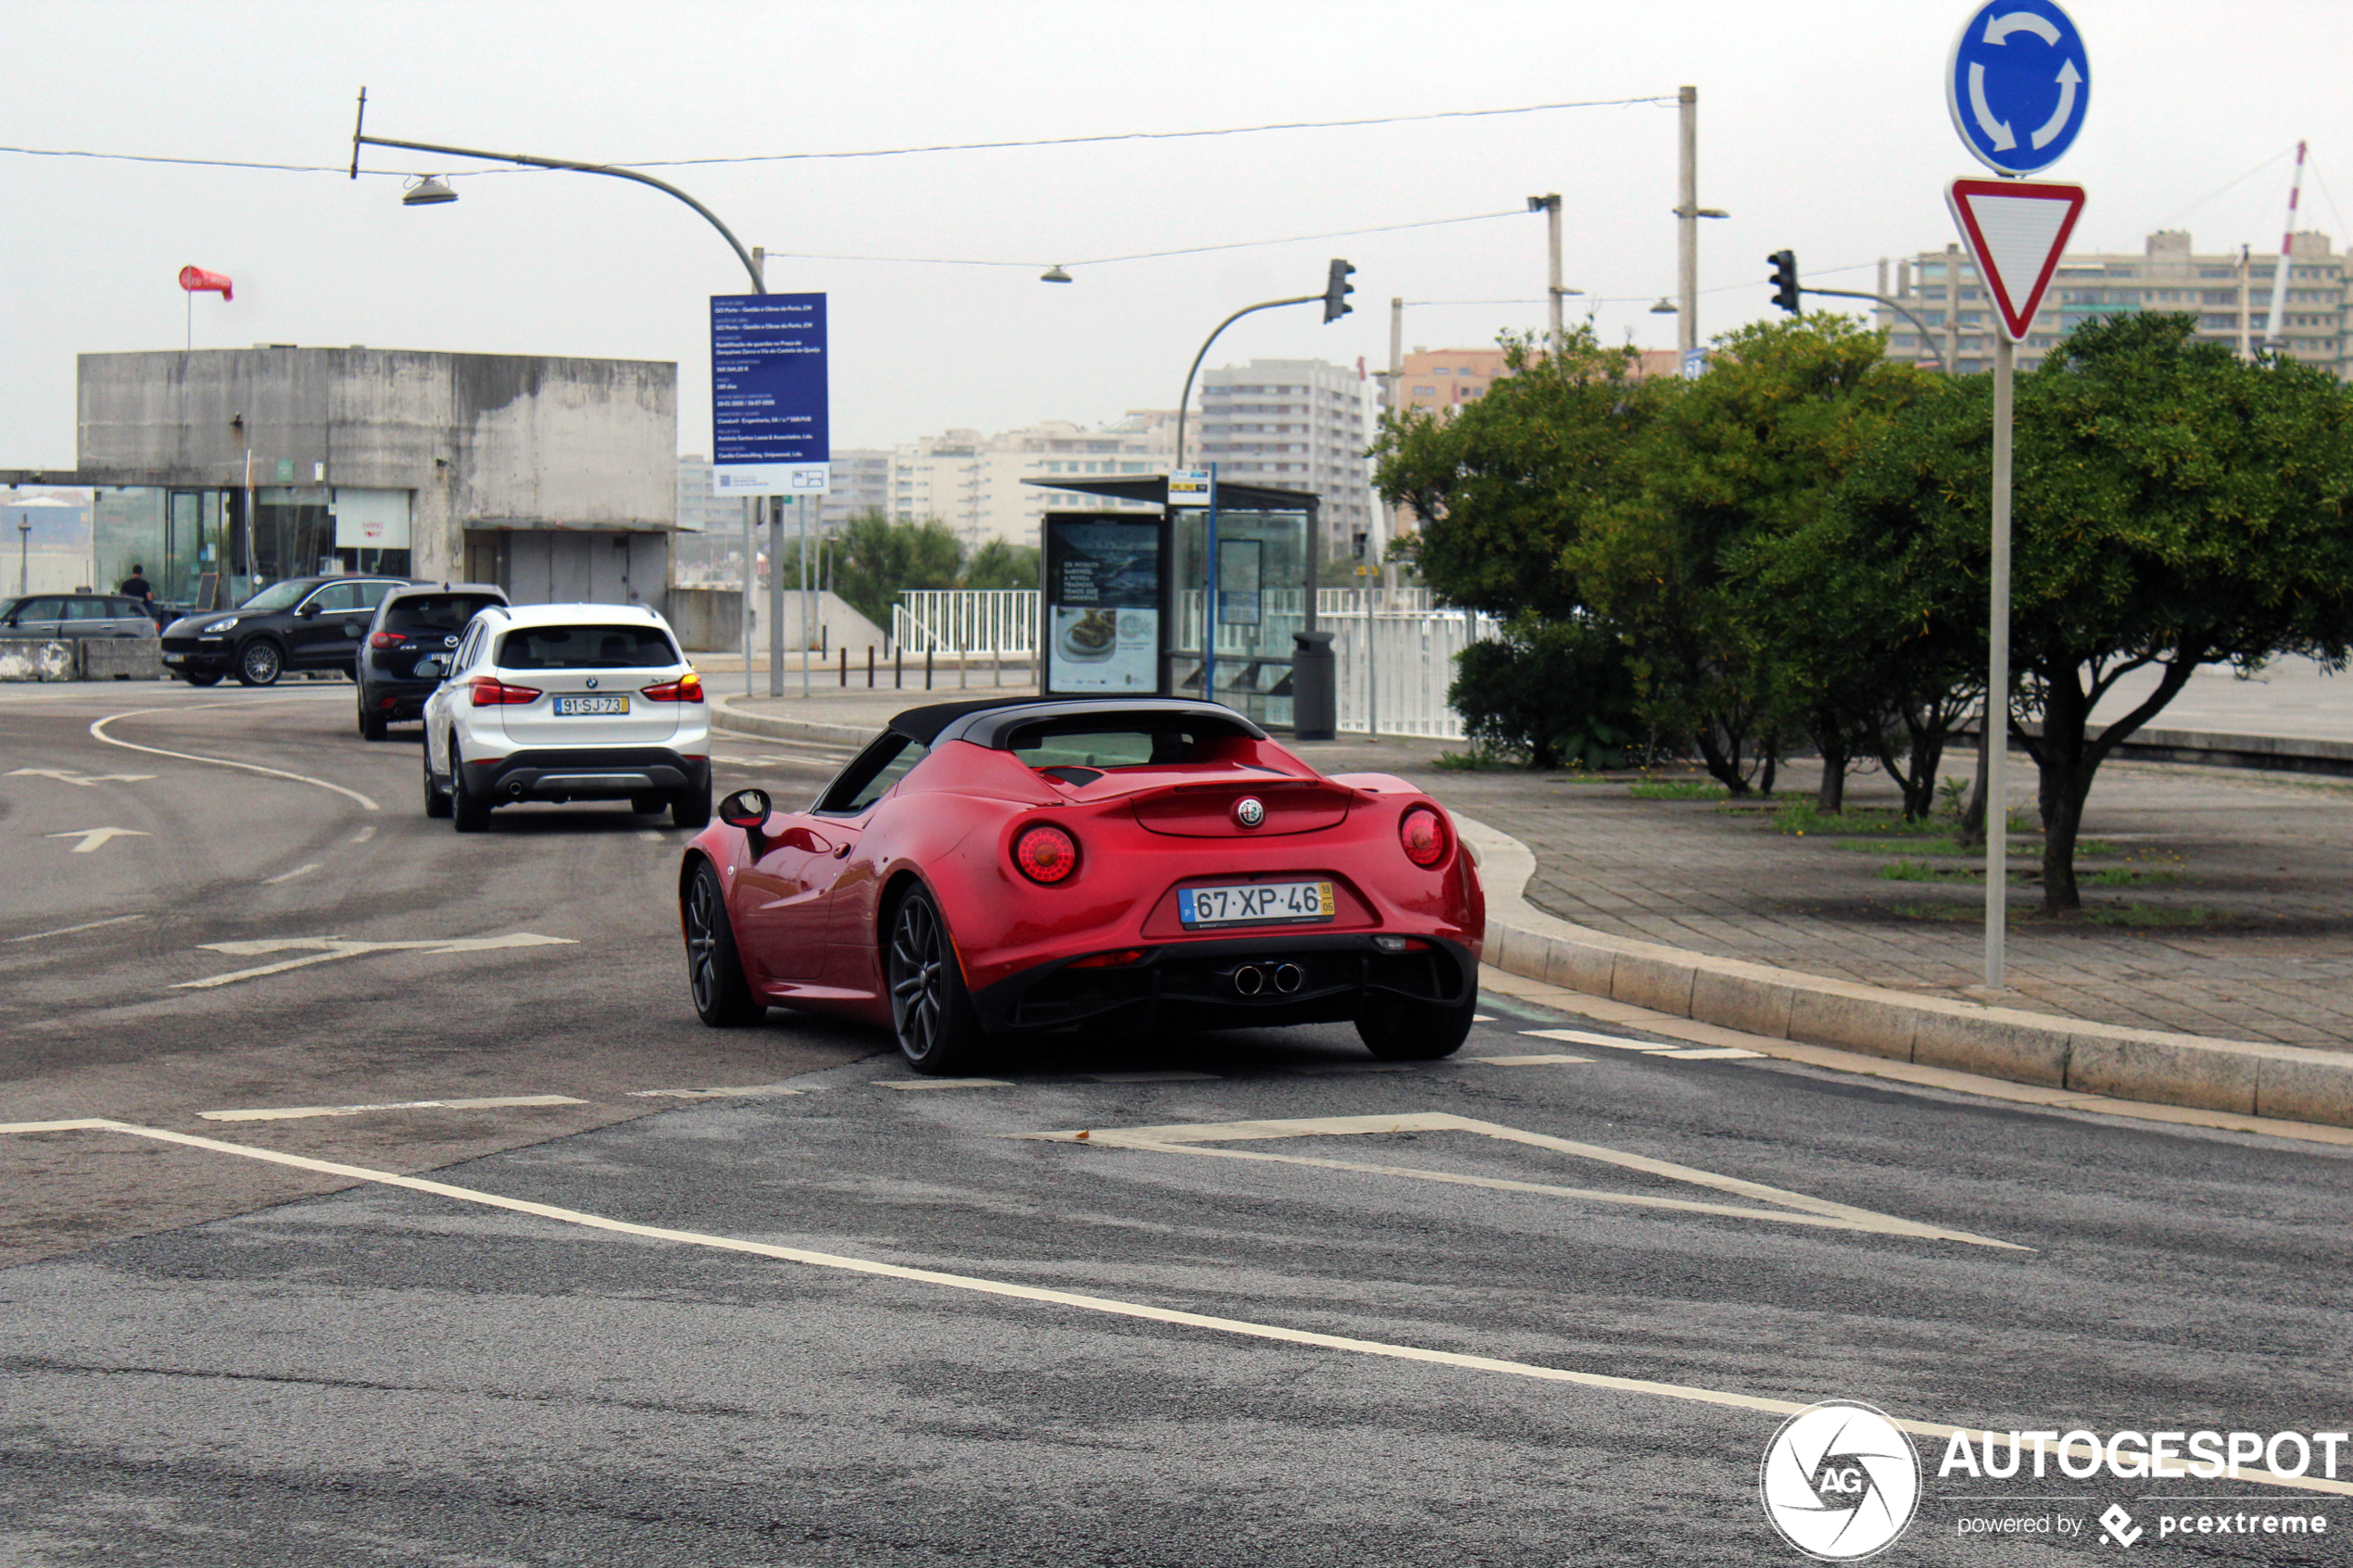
567,702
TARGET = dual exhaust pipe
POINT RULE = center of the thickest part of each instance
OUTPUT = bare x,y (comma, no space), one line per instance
1256,980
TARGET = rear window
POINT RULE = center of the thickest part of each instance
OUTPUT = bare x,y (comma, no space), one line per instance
1051,745
434,612
585,647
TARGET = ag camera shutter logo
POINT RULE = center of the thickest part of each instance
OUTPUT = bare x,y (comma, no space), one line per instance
1840,1481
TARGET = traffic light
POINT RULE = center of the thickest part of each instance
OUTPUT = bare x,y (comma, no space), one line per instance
1785,279
1336,288
1363,539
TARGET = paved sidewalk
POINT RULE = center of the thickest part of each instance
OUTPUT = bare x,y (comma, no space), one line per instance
2270,857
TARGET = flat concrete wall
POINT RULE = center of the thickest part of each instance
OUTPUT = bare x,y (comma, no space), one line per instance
480,440
710,621
27,659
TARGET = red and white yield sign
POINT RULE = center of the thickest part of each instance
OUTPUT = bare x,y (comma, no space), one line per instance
2016,231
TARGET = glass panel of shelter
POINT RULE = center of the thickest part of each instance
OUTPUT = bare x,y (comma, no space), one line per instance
1261,600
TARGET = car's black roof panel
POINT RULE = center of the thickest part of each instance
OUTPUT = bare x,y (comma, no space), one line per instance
992,719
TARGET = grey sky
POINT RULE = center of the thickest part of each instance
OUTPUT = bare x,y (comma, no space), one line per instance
1822,127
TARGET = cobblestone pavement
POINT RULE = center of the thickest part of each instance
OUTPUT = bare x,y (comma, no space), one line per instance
2268,860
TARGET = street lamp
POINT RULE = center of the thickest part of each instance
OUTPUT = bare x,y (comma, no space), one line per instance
430,191
1335,305
1053,274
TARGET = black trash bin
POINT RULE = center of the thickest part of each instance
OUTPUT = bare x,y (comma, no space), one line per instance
1315,689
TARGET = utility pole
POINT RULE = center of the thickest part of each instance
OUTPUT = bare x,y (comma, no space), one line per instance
1550,207
774,506
1997,685
1687,224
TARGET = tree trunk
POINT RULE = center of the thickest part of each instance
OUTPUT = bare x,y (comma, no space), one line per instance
1973,817
1772,763
1725,769
2064,782
1829,797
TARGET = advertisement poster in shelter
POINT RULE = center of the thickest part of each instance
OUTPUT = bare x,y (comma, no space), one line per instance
1102,607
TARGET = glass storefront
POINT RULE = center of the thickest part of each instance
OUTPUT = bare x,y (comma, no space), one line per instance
1262,599
197,552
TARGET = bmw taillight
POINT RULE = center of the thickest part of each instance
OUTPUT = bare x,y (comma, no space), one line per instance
387,639
686,688
489,691
1046,854
1424,836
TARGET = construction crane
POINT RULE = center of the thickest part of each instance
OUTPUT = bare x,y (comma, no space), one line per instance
2271,338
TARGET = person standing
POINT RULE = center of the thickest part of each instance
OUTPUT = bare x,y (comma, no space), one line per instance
136,586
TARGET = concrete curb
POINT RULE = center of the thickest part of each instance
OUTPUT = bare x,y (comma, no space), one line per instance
2246,1077
726,716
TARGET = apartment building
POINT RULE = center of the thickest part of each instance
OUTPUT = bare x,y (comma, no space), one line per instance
973,482
1292,424
2229,293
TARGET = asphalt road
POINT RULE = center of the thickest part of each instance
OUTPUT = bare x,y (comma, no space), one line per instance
843,1318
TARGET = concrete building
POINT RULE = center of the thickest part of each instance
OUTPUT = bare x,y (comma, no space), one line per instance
973,482
554,478
2230,294
860,484
1294,424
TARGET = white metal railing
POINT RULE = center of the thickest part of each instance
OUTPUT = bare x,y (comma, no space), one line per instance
1344,601
1394,666
952,620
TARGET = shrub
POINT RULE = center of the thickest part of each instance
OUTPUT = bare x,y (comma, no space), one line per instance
1560,690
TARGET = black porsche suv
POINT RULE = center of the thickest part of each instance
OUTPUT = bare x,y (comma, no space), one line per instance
294,623
407,649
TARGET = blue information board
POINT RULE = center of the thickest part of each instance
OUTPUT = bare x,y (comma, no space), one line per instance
769,434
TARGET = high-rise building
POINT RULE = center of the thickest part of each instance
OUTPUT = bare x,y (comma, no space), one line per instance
973,482
860,481
2229,294
1292,424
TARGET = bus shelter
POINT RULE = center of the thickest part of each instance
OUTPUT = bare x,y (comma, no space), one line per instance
1130,605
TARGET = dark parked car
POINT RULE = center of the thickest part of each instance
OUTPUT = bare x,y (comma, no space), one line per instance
74,615
413,625
296,623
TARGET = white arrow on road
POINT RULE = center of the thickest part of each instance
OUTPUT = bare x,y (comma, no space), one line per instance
84,780
93,838
325,950
2069,79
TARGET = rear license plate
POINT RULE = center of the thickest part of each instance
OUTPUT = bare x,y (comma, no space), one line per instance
1257,903
175,659
570,704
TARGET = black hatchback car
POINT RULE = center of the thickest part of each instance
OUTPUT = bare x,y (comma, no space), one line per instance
413,625
294,623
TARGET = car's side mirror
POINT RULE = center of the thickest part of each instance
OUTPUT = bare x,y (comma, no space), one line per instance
747,808
309,612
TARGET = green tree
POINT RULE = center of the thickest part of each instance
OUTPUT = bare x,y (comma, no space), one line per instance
1000,565
875,560
2174,506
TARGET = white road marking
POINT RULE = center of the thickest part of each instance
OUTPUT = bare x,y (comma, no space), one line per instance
1169,1077
653,838
98,731
1482,1018
93,839
297,1112
289,876
1711,1053
1722,1398
755,1091
1172,1139
1541,1060
942,1084
70,930
324,950
84,780
363,834
1615,1042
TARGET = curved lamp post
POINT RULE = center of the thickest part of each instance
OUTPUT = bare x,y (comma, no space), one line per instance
1188,397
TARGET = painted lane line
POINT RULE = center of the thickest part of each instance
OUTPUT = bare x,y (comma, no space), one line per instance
1443,1121
1711,1053
95,838
942,1084
326,949
64,775
1482,1018
1110,1306
1172,1077
70,930
299,1112
289,876
98,732
755,1091
1546,1061
363,834
1586,1037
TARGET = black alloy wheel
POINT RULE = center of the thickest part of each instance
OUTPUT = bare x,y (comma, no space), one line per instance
714,971
259,663
939,1031
436,797
1403,1031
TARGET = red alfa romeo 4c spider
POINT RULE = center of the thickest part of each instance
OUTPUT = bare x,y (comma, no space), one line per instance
989,869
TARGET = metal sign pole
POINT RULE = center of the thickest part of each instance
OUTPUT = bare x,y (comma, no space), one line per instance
751,585
1996,739
1209,601
808,598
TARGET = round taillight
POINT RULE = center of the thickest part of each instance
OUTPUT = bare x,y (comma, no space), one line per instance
1424,836
1046,854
